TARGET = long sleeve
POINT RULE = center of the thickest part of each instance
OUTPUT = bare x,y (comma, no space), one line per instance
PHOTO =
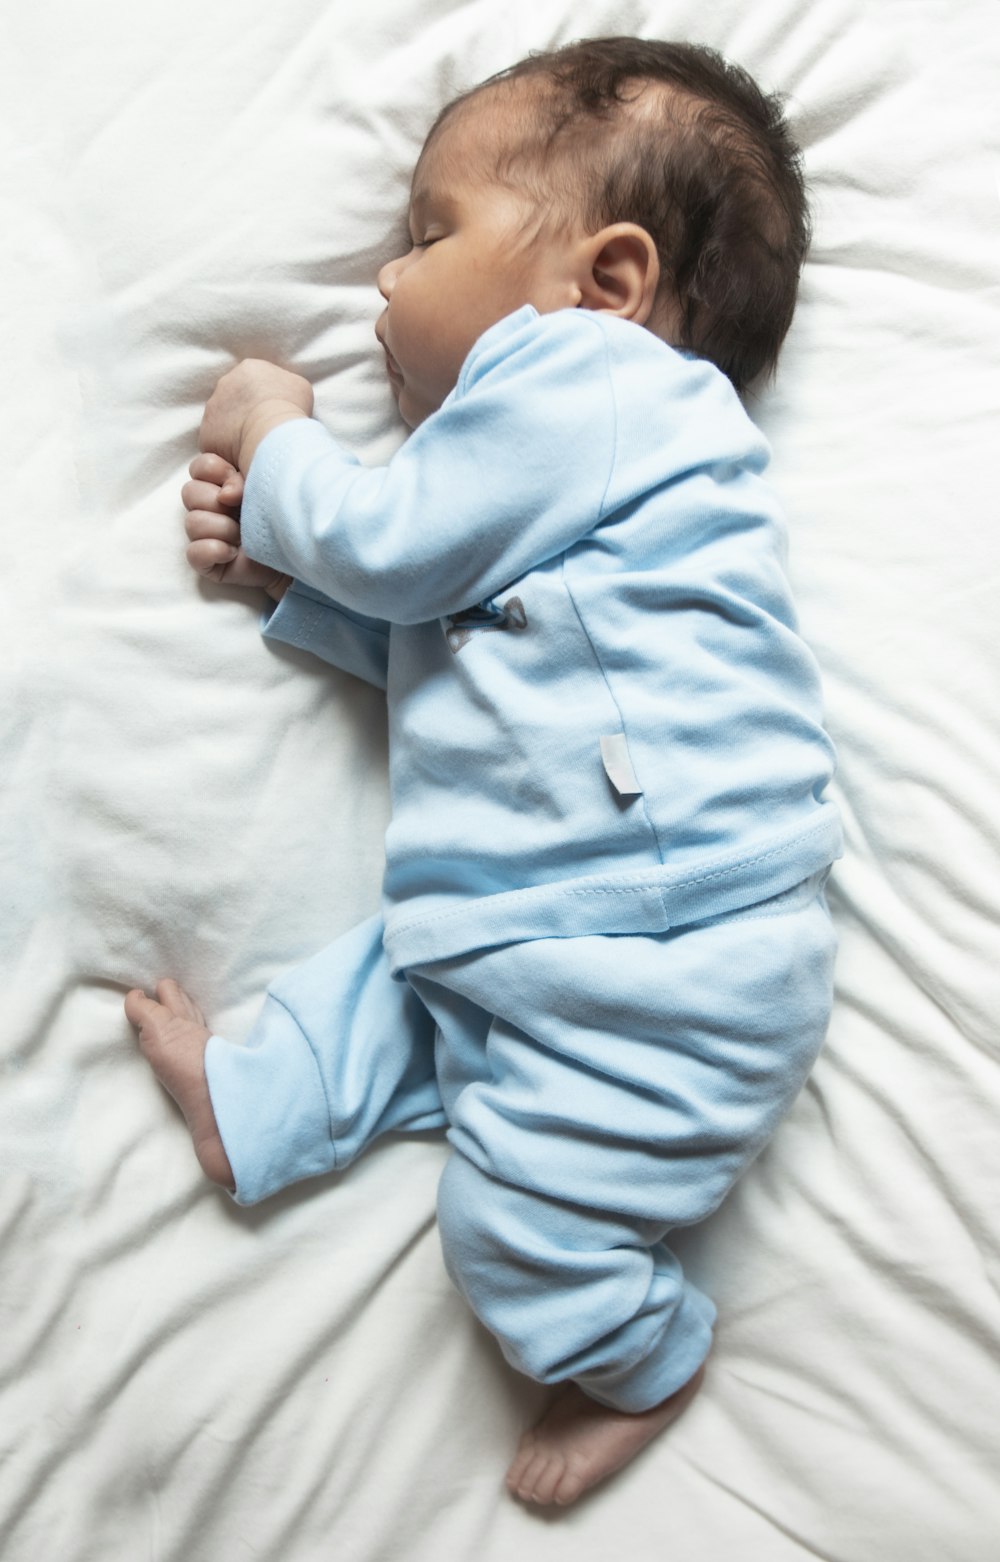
488,487
308,620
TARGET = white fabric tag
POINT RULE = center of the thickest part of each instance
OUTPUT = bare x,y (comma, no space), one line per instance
618,764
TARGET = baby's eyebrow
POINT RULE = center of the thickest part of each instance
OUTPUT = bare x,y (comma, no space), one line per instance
426,195
426,203
418,200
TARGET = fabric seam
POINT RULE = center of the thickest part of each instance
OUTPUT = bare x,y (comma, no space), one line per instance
312,1050
623,887
328,606
641,799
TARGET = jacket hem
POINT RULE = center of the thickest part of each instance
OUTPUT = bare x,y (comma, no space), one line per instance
646,900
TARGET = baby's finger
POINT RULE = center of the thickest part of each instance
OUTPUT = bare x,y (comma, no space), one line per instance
209,556
203,496
211,468
228,566
200,524
231,492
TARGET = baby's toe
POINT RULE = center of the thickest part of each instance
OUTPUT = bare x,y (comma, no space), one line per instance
172,995
534,1478
546,1479
139,1008
571,1483
518,1466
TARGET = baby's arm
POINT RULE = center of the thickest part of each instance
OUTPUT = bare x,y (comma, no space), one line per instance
212,502
509,472
307,619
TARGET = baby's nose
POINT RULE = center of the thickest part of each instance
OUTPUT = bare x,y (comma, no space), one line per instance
387,278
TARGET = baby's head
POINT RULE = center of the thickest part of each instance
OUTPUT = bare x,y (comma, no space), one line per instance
649,180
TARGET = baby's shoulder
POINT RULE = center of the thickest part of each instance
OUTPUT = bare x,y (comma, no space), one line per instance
602,370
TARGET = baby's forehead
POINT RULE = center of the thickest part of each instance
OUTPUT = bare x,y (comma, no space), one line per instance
473,138
515,129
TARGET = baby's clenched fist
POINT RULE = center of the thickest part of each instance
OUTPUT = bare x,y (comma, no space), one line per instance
212,501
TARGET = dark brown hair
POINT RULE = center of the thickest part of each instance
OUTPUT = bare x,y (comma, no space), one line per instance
707,165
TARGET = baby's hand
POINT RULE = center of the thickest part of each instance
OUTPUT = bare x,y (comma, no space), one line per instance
246,404
212,501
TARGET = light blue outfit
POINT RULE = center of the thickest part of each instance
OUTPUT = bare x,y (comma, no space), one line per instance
604,960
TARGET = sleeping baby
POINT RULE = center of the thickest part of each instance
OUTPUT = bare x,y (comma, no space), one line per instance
604,959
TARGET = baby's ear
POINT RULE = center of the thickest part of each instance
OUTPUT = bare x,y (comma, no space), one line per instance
620,273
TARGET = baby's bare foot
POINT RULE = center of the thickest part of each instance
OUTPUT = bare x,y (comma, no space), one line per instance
173,1036
579,1442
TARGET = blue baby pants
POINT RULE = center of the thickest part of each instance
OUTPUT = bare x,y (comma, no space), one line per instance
597,1091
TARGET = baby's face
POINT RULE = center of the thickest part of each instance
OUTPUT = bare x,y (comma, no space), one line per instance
467,267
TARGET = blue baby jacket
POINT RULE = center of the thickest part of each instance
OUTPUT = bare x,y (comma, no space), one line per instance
569,580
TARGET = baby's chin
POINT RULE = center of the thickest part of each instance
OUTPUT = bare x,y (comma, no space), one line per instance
412,412
414,408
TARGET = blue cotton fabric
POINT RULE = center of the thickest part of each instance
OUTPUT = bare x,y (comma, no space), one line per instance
598,1092
604,961
599,496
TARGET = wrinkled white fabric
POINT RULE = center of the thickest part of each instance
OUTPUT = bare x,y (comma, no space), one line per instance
186,184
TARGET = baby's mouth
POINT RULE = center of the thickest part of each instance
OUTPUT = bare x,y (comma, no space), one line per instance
392,368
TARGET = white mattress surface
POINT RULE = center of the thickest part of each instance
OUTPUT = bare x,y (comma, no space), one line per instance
186,184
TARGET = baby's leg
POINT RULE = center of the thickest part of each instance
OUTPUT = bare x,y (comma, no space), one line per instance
583,1300
173,1037
629,1082
339,1054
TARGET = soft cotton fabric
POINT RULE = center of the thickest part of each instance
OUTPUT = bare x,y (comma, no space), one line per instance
599,1091
191,1382
597,498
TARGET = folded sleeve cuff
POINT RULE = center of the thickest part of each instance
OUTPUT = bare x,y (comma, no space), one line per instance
306,619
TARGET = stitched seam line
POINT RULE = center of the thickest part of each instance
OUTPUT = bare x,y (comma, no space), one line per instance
625,887
319,608
616,421
329,1120
641,799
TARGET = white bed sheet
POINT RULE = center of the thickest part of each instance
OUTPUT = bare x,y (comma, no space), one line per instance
184,184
